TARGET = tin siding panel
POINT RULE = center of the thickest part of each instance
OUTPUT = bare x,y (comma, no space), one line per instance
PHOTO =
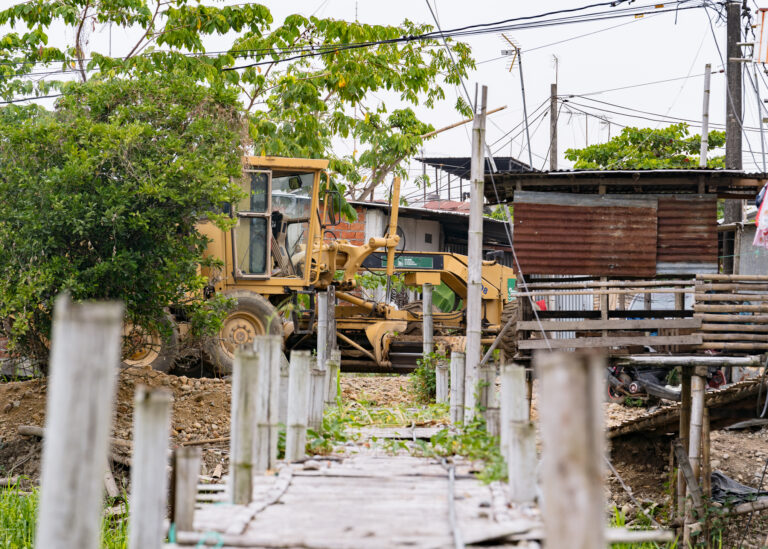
594,240
687,231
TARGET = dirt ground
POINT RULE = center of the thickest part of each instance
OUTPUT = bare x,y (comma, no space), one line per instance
201,412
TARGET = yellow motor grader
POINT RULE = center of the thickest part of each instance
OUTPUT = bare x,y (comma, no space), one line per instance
281,253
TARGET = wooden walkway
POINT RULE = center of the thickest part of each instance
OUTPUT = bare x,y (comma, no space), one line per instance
365,501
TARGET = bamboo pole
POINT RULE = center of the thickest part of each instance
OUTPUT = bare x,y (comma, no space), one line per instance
85,356
149,480
298,406
684,428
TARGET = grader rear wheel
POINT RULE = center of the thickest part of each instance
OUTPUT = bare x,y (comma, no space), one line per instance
153,348
509,339
251,316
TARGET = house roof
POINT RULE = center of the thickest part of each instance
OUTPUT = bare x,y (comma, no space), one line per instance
455,223
501,187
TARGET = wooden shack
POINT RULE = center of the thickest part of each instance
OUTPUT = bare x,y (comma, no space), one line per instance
633,242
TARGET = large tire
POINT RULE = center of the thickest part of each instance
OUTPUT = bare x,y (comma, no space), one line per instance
252,315
508,341
143,348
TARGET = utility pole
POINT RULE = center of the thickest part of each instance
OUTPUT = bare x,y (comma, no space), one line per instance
705,119
475,256
733,211
553,127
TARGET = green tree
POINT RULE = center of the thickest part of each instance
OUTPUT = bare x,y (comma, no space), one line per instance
101,197
648,149
299,100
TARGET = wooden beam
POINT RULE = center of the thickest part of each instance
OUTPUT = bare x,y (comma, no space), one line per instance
747,319
577,325
690,478
591,342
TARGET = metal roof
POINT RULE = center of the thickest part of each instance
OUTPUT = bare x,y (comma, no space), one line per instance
500,187
455,223
460,166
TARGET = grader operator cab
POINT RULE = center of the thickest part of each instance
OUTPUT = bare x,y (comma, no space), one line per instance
281,248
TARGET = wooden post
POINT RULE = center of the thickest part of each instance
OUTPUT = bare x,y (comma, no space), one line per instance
334,365
521,461
514,405
441,382
149,461
704,148
245,380
483,387
572,448
427,325
457,387
85,357
552,127
331,341
322,328
706,467
186,468
685,425
492,420
317,390
298,406
697,419
283,400
475,257
268,352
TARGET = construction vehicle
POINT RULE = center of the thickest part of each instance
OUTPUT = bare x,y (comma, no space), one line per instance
281,253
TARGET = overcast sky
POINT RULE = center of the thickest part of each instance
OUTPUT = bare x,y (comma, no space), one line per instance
616,53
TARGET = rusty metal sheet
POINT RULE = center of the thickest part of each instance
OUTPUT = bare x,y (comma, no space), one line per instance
560,234
687,232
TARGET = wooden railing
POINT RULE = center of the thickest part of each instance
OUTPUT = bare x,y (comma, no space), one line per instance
608,324
733,310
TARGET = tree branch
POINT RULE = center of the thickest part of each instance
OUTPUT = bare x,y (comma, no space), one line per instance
78,42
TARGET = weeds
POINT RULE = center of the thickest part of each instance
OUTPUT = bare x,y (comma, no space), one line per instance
18,511
423,378
471,441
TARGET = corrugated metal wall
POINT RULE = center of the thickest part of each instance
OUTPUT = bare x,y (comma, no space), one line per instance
599,235
687,234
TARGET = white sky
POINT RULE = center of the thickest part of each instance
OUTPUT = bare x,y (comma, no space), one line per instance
636,51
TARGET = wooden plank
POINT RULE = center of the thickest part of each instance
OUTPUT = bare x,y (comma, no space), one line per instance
590,342
84,362
610,283
690,478
574,325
